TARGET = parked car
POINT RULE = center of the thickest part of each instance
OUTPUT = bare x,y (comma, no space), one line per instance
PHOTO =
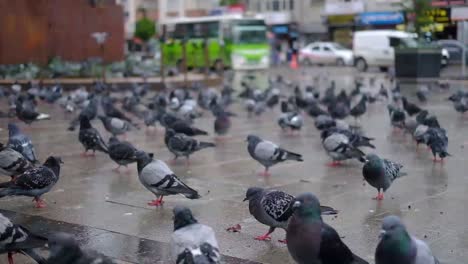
376,48
454,48
326,53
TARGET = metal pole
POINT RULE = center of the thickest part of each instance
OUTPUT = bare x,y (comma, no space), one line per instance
464,50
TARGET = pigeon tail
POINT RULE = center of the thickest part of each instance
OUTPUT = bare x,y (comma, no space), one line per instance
358,260
6,192
192,194
199,132
35,256
444,154
293,156
203,145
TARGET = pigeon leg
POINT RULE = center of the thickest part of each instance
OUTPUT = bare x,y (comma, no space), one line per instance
39,203
266,237
117,169
334,163
174,160
157,202
94,153
379,196
265,173
10,258
187,161
84,154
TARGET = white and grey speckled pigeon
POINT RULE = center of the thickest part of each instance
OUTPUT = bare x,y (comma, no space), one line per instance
273,208
159,179
122,152
191,241
268,153
21,143
114,125
380,173
90,138
34,182
17,239
339,148
65,249
12,163
396,245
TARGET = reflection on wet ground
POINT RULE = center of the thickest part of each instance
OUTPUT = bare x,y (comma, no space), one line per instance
108,212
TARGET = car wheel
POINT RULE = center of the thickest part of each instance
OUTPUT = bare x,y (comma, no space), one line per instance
361,64
340,62
383,69
444,61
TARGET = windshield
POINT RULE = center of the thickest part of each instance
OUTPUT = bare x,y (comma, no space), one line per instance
249,34
337,46
409,42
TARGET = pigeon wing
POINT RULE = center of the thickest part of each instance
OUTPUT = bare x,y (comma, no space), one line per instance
36,178
265,150
277,205
424,254
392,169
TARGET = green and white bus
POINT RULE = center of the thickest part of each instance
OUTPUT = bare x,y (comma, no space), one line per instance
234,41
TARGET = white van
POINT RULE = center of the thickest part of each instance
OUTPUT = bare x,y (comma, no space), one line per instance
373,48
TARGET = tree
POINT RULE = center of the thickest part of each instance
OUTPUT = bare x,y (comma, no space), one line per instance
228,2
145,28
418,14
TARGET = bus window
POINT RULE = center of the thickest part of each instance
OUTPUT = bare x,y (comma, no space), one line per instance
250,34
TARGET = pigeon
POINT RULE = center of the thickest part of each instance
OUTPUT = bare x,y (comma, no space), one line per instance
159,179
359,109
357,140
380,173
396,245
90,138
274,208
21,143
121,152
422,93
437,141
314,110
397,116
191,241
222,123
26,113
339,148
290,119
65,249
114,125
12,163
184,128
17,239
409,107
182,145
312,241
34,182
268,153
90,111
111,111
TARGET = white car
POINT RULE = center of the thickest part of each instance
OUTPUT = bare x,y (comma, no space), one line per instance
376,48
326,53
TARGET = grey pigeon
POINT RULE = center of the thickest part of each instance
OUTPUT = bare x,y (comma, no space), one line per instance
17,239
339,148
182,145
65,249
397,116
268,153
437,141
355,138
90,138
159,179
34,182
114,125
21,143
222,123
191,241
274,208
290,119
121,152
27,113
324,122
311,241
12,163
380,173
396,245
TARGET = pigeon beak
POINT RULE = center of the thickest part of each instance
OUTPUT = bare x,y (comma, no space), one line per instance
296,204
382,233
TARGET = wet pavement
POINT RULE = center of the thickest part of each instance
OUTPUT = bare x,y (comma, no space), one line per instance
108,210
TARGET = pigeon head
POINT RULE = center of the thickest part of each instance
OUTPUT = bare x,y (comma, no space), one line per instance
84,123
63,246
392,227
252,139
53,163
170,132
252,192
113,140
143,159
307,205
13,129
183,217
373,158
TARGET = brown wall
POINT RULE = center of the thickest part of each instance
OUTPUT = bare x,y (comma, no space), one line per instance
37,30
